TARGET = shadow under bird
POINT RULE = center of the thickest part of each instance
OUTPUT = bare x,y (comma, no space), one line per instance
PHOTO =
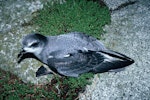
71,54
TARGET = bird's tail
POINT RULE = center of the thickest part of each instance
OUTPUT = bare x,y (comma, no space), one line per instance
111,60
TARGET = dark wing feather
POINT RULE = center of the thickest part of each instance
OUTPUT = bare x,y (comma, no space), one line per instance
73,65
112,60
89,61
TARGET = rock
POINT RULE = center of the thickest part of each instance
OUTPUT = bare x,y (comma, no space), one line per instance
116,4
128,34
16,12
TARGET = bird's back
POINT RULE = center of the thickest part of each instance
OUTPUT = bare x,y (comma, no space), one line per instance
74,41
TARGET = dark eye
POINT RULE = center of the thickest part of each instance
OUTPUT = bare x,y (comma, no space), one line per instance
35,44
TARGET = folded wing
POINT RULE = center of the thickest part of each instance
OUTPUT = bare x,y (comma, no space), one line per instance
88,61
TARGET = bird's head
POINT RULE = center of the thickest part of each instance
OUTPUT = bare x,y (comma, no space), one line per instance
32,44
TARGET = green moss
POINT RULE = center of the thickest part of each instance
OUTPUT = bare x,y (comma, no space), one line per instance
74,15
70,87
64,88
78,82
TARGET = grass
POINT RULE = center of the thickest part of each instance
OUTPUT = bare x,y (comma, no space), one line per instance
65,88
74,15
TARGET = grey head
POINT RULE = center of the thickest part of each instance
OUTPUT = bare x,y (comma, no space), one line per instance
34,43
32,46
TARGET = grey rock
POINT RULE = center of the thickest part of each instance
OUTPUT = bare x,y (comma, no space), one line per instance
16,12
128,34
114,4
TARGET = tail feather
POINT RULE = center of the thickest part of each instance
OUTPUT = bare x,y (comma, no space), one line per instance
112,60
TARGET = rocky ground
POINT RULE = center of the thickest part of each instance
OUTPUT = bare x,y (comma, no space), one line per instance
128,34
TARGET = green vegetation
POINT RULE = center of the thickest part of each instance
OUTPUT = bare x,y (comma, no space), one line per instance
63,88
74,15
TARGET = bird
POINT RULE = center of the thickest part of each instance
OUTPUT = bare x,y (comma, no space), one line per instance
71,54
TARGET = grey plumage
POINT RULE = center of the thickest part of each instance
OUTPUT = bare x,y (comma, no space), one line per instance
72,54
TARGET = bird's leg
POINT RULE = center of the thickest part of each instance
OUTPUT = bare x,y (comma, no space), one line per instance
44,70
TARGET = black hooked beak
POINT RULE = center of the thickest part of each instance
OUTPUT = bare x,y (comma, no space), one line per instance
23,55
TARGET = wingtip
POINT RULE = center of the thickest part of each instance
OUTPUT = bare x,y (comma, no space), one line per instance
131,61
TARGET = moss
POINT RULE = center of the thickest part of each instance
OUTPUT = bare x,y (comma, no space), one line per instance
68,88
63,88
74,15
